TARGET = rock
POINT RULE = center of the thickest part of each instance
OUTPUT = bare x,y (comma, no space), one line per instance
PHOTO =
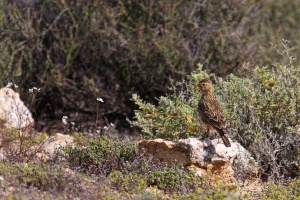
57,141
53,143
13,111
245,163
208,158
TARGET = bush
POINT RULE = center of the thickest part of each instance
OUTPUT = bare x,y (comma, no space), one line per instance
127,182
291,191
174,180
44,177
175,115
99,156
262,115
113,49
46,181
170,180
220,192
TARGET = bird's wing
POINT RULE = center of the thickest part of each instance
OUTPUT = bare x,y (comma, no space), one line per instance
212,113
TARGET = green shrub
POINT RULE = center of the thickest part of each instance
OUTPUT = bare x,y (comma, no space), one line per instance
44,177
127,182
268,103
262,114
47,181
291,191
174,179
175,115
220,192
99,155
170,180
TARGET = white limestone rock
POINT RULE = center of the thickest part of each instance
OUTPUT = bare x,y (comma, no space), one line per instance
13,111
208,158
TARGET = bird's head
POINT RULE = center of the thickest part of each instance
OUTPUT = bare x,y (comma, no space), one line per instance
205,86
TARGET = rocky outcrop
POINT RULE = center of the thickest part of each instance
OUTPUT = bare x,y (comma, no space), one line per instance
57,141
13,111
207,158
53,143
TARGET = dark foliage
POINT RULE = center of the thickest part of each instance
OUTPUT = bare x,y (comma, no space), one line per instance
77,51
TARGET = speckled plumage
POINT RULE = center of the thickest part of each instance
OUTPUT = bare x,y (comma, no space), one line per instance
210,111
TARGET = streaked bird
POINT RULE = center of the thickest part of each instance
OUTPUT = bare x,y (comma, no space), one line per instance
210,111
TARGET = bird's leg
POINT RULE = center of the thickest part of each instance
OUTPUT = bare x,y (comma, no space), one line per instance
207,131
206,134
218,139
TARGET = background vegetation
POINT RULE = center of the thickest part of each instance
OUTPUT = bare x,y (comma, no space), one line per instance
77,51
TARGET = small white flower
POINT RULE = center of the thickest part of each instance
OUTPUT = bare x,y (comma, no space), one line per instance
9,84
64,121
98,131
111,124
105,128
73,123
16,86
31,90
35,88
100,99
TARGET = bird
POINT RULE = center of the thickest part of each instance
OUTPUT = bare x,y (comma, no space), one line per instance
210,111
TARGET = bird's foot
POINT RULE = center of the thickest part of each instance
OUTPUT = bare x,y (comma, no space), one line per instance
218,139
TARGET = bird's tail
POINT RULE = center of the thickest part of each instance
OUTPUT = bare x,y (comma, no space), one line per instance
224,138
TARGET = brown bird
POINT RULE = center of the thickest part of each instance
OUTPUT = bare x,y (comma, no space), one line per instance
210,111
